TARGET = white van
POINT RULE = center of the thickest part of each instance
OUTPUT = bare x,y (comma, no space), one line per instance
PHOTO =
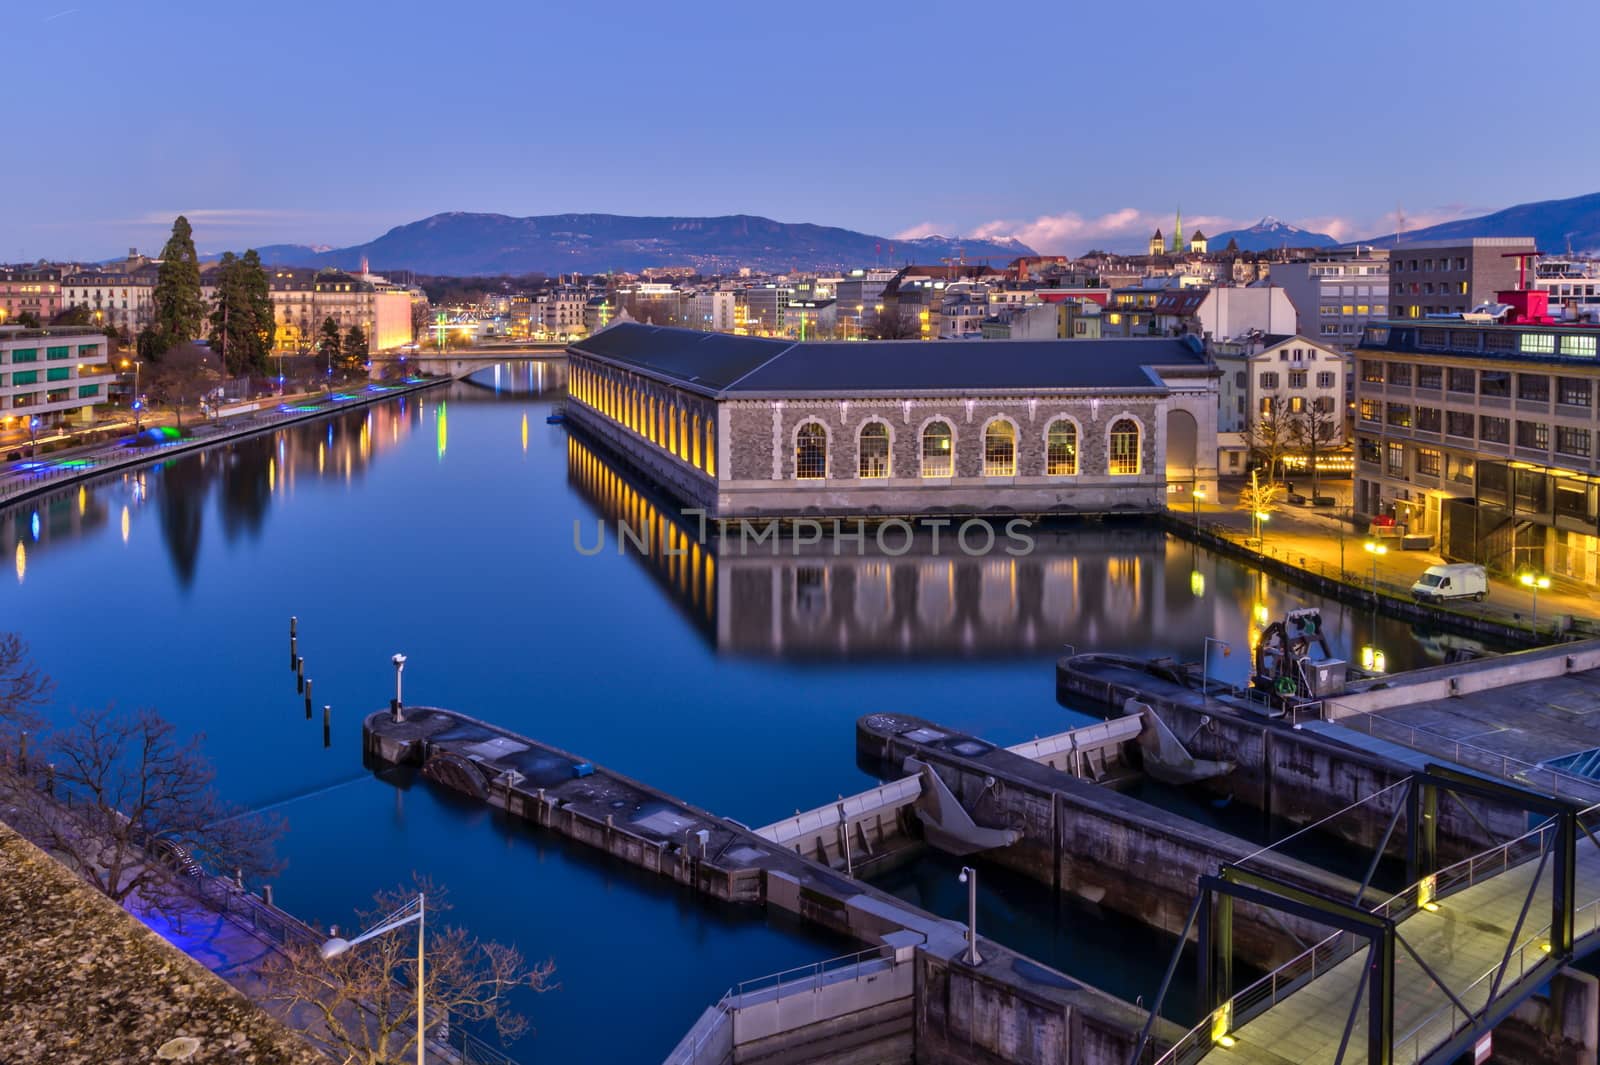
1460,580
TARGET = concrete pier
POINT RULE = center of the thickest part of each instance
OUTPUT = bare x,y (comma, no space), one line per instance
1094,842
1005,1009
1299,774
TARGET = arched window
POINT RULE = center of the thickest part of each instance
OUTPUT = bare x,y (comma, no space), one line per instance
1061,449
938,457
1000,450
1124,446
874,450
694,440
711,447
811,452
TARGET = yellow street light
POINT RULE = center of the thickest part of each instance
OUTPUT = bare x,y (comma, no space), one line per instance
1375,549
1534,582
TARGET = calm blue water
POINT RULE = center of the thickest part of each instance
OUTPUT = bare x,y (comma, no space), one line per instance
443,527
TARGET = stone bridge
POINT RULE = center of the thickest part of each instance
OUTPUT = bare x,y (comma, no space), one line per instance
464,362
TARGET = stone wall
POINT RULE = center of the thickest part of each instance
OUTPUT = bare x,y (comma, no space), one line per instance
83,981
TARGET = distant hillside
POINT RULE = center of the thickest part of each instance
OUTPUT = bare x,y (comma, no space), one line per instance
461,244
1269,234
1553,224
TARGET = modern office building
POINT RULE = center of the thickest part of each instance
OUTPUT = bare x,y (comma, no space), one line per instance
55,375
1451,276
1482,435
1336,293
744,427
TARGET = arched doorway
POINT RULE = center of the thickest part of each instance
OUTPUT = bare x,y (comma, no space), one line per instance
1183,445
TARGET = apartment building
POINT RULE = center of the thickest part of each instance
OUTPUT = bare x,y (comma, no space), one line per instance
1451,276
1482,435
1288,377
1335,294
55,375
29,290
303,299
123,299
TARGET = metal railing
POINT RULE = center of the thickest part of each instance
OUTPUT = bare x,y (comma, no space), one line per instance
1321,958
774,987
1552,781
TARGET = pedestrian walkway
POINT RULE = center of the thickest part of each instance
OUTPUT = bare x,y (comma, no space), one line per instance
28,476
1322,542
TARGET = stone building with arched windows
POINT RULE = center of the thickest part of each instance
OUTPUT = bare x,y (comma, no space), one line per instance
744,427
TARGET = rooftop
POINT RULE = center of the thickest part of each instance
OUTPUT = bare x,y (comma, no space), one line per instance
724,365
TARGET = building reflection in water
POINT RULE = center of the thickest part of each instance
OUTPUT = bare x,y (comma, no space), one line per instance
1100,586
245,477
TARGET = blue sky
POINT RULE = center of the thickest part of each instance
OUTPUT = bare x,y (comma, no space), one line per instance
1066,124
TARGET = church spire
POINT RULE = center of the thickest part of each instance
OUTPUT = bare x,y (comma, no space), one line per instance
1177,234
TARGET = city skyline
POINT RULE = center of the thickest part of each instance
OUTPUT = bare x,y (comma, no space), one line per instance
1052,137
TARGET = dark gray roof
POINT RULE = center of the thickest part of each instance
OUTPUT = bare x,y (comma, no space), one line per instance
717,362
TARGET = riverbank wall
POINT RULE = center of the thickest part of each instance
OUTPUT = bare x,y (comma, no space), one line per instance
117,459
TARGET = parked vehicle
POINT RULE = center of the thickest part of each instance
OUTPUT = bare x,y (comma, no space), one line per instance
1459,580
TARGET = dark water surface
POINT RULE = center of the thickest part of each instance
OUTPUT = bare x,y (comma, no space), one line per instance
443,526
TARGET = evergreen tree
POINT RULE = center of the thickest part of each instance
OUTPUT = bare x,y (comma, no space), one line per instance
180,310
354,355
26,319
329,344
242,325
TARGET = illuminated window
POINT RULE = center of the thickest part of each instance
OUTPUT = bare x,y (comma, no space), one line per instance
874,461
1061,449
1000,450
811,452
694,437
1428,460
938,459
1579,346
1124,447
1539,343
711,448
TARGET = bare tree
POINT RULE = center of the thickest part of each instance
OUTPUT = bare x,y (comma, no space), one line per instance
23,690
1315,431
129,808
370,1018
183,375
1269,434
1262,497
890,324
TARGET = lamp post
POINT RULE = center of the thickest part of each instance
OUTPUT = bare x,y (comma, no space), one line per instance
1533,582
1260,517
969,877
1205,658
399,668
1195,498
33,437
1377,551
411,911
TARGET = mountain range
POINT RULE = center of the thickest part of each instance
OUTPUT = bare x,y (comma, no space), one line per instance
463,244
1555,226
1269,234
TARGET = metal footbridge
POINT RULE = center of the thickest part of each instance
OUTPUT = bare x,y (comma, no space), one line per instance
1419,978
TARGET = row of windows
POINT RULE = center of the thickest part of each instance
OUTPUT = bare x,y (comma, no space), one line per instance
937,451
1294,404
1536,387
1569,440
1297,379
665,424
1400,265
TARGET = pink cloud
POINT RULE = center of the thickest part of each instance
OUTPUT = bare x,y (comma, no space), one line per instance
1072,232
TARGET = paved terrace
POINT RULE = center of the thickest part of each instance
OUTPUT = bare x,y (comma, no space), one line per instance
1463,941
82,980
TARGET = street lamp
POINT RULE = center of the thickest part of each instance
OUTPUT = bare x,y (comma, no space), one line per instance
1376,550
33,437
1534,582
411,911
399,668
1195,498
969,877
1260,517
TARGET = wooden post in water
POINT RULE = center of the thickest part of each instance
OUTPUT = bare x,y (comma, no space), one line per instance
299,674
308,698
327,727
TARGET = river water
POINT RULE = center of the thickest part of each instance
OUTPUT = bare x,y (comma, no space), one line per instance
443,526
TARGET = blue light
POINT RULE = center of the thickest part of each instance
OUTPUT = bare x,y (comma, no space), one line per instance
35,526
